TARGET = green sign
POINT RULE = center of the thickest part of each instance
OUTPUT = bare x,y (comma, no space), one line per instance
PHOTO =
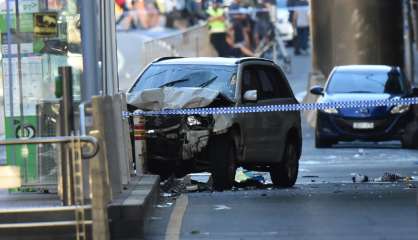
26,22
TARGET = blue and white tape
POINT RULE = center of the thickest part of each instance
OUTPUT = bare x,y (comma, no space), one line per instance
279,108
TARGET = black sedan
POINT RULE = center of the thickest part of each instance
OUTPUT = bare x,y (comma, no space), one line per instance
365,82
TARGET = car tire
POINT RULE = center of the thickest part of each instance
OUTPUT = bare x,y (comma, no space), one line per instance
222,157
409,143
409,139
323,143
285,174
164,170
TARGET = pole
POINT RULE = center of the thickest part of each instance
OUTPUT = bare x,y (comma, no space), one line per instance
91,84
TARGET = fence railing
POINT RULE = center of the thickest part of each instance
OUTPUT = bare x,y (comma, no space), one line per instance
192,42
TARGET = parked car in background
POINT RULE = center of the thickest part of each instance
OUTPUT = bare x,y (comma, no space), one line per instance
182,144
383,123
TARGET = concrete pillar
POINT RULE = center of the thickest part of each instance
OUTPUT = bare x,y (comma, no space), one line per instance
356,32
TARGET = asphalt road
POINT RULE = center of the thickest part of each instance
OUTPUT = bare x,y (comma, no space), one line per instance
324,204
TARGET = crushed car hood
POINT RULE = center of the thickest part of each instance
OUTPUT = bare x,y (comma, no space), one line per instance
172,98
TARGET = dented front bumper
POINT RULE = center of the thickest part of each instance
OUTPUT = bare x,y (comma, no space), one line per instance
178,139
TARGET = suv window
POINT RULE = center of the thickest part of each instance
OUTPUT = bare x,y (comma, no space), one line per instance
282,89
269,89
268,81
249,80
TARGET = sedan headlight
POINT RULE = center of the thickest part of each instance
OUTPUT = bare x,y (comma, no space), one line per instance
400,109
330,111
193,121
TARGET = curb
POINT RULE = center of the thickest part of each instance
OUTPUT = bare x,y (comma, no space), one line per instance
129,212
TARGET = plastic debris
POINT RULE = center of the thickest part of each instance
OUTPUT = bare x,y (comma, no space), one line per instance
165,205
250,179
166,194
192,188
240,175
358,178
221,207
204,177
391,177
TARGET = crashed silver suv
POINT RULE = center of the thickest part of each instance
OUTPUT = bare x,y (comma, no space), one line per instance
182,144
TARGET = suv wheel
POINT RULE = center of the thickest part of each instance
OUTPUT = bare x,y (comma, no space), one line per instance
322,143
286,173
222,157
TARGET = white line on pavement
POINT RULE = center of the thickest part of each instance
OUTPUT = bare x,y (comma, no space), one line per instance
174,225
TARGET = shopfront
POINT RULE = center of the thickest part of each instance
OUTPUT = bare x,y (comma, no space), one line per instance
40,42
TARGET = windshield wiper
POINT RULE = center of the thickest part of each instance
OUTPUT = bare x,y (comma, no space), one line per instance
205,84
170,84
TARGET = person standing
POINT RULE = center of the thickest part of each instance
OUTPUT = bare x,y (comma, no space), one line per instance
301,24
217,27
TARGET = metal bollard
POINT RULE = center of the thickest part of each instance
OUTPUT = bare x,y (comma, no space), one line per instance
140,147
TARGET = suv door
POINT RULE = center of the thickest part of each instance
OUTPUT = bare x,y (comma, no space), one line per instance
248,121
279,123
274,90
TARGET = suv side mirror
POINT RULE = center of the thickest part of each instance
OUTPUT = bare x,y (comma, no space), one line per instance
317,90
251,96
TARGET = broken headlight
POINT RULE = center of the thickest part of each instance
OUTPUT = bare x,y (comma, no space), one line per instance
193,121
198,121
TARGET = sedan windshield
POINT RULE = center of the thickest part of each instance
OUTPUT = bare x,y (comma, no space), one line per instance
366,82
219,78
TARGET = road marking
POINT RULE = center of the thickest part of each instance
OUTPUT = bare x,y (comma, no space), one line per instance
174,225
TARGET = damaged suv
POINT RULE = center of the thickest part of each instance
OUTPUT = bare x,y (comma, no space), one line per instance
181,144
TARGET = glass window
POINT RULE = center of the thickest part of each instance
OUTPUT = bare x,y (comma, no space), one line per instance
249,81
390,82
38,37
268,90
219,78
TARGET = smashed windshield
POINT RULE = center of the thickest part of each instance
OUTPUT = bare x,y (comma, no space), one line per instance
219,78
366,82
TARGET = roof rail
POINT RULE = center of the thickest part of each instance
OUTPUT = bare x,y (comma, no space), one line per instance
165,58
246,59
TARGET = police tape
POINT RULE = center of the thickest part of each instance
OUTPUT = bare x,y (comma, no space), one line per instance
279,107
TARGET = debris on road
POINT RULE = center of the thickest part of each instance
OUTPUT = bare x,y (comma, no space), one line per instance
172,187
389,177
204,177
165,205
359,178
192,188
221,207
240,176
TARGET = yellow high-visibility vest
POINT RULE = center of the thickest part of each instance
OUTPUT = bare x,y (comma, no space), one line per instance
218,25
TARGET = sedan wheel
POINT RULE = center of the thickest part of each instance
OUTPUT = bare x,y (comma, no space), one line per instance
286,173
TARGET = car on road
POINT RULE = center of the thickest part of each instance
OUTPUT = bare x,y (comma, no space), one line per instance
383,123
218,143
